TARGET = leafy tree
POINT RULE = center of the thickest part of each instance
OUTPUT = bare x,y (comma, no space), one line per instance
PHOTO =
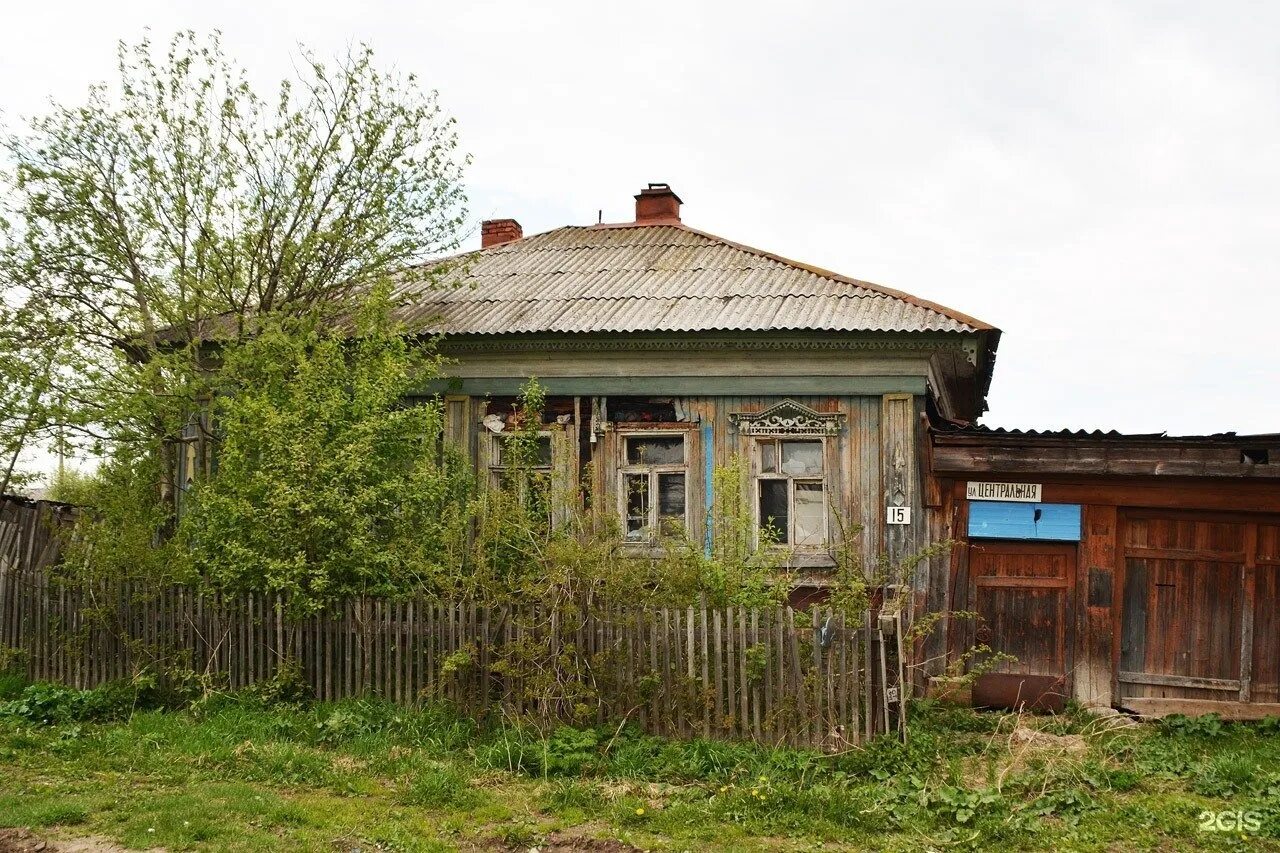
179,206
199,284
330,478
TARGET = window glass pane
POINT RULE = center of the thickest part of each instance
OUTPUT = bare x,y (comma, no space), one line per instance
543,454
670,500
655,450
538,495
769,457
801,457
809,515
637,507
541,457
773,508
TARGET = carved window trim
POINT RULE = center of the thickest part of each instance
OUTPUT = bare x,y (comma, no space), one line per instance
786,419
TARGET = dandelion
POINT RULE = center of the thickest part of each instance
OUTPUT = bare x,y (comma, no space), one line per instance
755,792
724,788
639,811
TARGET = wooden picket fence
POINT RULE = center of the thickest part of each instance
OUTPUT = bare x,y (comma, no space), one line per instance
771,674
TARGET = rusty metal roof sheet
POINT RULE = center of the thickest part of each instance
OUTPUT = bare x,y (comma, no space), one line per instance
652,278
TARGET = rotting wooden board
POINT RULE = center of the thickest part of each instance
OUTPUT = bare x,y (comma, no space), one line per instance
1157,708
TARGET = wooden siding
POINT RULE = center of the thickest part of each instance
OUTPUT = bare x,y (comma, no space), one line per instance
781,387
1096,597
858,469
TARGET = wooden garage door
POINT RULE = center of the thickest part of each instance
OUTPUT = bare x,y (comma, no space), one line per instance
1021,592
1183,622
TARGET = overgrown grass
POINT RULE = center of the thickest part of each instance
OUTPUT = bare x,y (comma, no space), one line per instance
253,772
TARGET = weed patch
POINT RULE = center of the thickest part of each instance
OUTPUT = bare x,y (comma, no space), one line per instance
248,773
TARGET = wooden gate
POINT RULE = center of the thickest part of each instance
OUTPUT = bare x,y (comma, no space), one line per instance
1022,593
1198,626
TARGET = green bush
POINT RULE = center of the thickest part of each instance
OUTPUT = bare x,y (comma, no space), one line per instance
344,723
50,704
43,703
634,755
1229,774
287,687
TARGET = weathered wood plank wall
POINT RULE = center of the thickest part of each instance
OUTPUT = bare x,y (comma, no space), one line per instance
876,451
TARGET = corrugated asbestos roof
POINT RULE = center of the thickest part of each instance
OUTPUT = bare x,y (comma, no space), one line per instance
950,429
654,278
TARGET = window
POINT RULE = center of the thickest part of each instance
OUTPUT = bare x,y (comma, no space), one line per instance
791,491
654,480
529,478
539,458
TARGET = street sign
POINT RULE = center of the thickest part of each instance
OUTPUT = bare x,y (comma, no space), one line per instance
1025,492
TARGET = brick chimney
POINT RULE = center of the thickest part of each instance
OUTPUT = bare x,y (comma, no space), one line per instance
657,203
495,232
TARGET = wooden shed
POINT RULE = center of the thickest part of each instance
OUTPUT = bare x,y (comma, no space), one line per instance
1135,571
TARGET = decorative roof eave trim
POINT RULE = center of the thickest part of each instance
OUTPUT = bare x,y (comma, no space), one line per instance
788,418
919,342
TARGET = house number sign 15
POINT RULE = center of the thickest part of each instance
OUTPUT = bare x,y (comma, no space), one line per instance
899,515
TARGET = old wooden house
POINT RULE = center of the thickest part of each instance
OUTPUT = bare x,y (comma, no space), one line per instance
666,351
1140,571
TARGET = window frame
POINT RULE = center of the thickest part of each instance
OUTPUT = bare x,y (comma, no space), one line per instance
497,467
626,470
759,475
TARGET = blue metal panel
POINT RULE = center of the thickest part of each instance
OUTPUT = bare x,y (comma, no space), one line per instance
1007,520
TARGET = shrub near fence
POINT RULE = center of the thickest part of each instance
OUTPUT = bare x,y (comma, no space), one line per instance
769,674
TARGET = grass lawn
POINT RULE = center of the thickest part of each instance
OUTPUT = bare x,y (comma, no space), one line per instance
248,774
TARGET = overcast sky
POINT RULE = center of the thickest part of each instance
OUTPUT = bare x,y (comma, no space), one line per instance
1098,180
